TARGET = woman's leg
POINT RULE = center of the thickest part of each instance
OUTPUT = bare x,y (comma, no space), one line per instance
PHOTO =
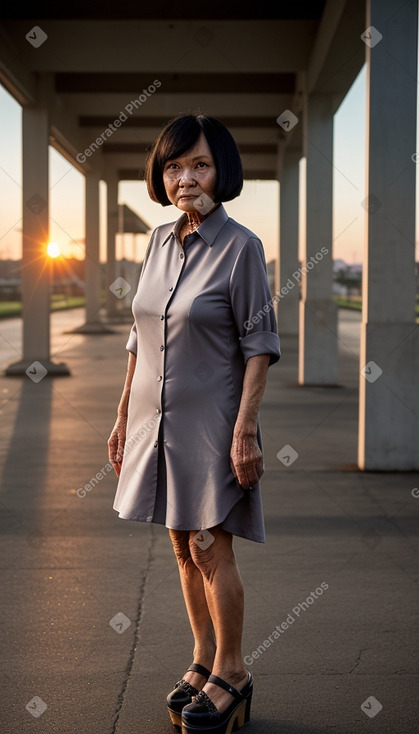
196,605
224,593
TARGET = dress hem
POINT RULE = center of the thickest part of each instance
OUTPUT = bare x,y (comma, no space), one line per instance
157,522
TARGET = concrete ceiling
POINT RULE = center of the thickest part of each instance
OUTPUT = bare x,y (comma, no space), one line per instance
244,63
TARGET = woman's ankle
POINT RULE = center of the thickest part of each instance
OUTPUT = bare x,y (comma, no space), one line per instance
232,671
204,656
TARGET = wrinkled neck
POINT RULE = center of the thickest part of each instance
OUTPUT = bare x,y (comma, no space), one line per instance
195,219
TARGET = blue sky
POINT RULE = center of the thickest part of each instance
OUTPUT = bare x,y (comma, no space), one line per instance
257,207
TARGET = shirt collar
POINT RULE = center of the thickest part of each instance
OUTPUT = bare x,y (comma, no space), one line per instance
209,229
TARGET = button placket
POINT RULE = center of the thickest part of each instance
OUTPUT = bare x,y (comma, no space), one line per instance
163,345
160,379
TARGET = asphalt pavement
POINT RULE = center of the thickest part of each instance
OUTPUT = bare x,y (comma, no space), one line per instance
94,629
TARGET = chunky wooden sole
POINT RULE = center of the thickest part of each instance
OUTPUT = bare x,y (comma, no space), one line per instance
176,719
238,718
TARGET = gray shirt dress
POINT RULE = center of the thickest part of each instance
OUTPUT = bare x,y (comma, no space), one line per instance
200,311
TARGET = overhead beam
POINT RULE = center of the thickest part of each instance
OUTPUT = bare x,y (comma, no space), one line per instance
119,83
153,121
165,9
244,148
162,105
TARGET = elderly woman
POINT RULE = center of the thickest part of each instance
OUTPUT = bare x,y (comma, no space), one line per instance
187,445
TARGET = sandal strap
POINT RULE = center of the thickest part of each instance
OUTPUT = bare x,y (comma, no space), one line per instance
197,668
226,686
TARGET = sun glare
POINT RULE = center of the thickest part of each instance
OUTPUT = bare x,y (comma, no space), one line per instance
53,249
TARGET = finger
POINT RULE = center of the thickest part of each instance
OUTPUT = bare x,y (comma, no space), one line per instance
247,473
239,461
237,456
120,451
112,448
241,475
247,460
117,466
250,468
254,469
252,477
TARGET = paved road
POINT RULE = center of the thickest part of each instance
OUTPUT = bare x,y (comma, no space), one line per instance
60,322
70,566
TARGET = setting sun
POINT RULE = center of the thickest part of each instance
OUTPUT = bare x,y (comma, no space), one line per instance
53,249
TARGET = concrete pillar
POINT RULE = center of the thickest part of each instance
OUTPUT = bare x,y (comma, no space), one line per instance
93,268
35,272
112,229
318,352
389,355
287,281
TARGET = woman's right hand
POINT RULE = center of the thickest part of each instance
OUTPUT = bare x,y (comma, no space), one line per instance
116,443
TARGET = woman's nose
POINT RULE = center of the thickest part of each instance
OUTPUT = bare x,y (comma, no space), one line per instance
186,178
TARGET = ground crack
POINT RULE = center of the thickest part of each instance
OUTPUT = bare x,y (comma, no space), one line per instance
138,618
358,660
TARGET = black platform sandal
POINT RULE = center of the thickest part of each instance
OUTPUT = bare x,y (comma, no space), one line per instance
203,716
182,694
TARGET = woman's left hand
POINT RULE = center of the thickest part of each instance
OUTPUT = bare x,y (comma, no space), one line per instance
246,458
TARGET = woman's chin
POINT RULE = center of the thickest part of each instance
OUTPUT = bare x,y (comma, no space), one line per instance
187,205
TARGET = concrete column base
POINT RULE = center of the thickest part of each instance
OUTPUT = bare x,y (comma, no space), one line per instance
389,397
318,353
35,369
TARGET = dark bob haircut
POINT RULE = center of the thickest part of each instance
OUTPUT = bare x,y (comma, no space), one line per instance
178,137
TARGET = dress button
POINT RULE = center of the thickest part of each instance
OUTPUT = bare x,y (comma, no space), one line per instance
159,378
158,411
181,255
171,288
161,347
155,444
162,317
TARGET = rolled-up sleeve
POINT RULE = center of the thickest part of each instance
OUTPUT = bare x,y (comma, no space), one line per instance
132,340
252,303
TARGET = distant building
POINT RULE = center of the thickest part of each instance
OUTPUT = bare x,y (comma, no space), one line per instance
347,279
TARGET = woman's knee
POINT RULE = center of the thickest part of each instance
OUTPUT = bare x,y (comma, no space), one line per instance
209,549
180,542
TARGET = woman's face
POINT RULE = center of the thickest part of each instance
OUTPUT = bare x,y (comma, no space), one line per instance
191,175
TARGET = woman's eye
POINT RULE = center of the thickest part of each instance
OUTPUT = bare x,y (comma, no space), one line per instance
201,163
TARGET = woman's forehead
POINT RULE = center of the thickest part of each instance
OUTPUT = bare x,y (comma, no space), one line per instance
200,149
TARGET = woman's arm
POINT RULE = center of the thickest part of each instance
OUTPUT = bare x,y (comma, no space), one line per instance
116,441
246,456
123,403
